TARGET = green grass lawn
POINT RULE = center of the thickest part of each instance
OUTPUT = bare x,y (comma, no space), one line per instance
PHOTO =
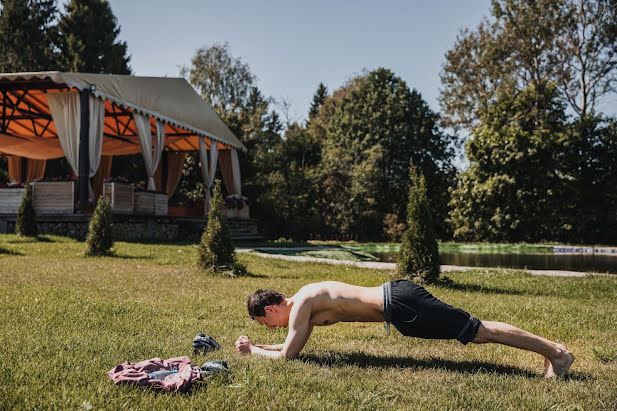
66,320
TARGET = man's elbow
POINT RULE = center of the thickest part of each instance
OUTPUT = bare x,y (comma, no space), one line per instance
288,355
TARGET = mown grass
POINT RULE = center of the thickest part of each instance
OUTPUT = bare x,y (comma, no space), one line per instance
67,319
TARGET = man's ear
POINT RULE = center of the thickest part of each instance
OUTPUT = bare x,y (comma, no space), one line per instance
269,308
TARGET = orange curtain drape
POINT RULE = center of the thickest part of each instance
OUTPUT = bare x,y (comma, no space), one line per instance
226,169
175,164
14,169
34,169
103,172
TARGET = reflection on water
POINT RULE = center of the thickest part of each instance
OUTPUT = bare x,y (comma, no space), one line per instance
579,262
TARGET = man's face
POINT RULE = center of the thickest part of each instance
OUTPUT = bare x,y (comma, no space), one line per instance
274,318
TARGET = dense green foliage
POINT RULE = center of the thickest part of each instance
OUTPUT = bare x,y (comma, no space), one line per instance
216,249
26,35
25,221
514,189
100,233
536,173
35,37
419,253
371,136
87,39
80,317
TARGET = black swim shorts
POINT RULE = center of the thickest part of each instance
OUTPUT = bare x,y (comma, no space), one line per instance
416,313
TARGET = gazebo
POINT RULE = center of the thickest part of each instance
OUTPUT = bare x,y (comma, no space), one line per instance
89,118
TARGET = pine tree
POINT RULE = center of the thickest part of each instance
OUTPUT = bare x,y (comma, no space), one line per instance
26,35
216,250
100,239
419,254
318,99
25,223
88,32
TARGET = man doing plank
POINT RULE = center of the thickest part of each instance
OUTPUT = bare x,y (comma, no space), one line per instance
412,310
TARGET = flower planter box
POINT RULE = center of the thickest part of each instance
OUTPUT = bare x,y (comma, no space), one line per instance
239,213
10,199
54,197
147,203
121,197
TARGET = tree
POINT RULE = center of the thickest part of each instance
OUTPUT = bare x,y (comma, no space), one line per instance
225,82
292,195
591,158
100,233
87,39
25,222
517,187
419,253
216,249
318,99
26,35
588,50
371,134
570,42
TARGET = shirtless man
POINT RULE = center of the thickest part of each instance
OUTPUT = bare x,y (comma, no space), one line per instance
412,310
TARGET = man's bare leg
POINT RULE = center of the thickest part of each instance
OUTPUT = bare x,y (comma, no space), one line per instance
557,359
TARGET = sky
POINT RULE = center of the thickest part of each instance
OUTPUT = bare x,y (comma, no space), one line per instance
292,46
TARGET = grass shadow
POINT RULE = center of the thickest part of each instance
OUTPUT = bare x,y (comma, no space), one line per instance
9,252
448,283
128,257
30,240
363,360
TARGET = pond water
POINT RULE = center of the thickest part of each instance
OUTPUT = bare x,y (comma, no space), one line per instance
568,262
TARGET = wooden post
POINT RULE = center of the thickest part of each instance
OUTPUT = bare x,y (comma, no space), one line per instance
164,171
84,146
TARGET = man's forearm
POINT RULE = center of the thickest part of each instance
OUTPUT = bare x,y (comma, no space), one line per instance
270,353
275,347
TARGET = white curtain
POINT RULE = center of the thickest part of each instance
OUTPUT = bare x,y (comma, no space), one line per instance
64,109
152,154
235,168
97,118
208,168
66,114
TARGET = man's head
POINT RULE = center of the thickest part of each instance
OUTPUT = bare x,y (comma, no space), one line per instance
265,306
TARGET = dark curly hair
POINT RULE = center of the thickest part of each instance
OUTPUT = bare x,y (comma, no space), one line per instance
261,299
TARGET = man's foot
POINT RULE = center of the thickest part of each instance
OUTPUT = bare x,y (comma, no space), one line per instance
558,365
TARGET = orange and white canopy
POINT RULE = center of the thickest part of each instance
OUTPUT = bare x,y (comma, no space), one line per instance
28,130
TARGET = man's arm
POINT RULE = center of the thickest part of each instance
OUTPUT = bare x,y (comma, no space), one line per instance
299,332
275,347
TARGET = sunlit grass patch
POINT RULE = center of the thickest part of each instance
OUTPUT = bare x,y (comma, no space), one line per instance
66,320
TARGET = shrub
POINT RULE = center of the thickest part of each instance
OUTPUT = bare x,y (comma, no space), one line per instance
216,249
419,254
25,222
100,241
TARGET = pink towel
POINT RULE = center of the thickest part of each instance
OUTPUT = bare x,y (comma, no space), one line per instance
138,373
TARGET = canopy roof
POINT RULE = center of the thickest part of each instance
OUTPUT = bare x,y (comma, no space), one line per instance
27,129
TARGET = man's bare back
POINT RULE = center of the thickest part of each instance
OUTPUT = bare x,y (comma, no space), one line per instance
332,301
329,302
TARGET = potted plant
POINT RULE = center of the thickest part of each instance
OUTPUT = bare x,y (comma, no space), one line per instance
55,195
11,195
120,195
